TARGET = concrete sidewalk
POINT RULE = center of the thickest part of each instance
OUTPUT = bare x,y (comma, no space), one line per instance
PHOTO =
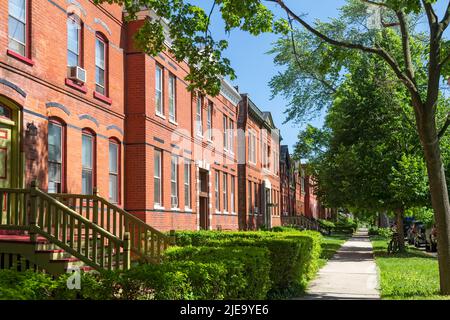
350,274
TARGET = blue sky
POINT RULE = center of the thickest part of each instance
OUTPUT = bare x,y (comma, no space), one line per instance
254,68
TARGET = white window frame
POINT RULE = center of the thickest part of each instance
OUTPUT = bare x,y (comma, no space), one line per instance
159,89
217,190
199,117
231,136
174,198
225,133
172,98
187,185
25,26
209,120
225,192
158,202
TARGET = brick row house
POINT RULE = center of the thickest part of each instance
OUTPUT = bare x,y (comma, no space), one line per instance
83,111
259,181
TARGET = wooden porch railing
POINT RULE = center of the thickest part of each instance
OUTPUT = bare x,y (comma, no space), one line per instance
301,221
146,242
42,215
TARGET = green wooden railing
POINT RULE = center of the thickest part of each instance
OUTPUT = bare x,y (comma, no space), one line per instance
301,221
146,243
44,216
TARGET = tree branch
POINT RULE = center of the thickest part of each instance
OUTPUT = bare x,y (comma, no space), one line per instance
406,44
377,50
446,19
445,127
380,4
294,48
431,15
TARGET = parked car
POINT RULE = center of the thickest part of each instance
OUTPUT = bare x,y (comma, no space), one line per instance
431,239
419,235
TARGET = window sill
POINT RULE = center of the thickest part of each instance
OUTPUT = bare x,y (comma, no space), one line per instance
187,209
102,98
218,212
20,57
173,122
160,115
199,136
209,141
157,207
175,209
76,86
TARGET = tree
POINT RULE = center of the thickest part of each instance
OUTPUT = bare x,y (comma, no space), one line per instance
189,30
364,158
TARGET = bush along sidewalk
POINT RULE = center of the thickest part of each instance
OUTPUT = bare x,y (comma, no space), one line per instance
205,265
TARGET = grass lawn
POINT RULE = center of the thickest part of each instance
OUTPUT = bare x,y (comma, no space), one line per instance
410,275
330,245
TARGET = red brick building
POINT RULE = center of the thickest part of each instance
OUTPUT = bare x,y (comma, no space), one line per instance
181,159
287,183
67,134
299,177
259,159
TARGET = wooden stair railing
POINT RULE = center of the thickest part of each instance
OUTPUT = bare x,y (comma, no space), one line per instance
146,243
42,215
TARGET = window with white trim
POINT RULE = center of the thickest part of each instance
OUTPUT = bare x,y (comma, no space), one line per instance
187,184
87,156
73,40
231,135
114,163
198,117
225,192
209,120
174,182
55,156
157,165
100,64
172,98
159,104
216,190
225,133
17,26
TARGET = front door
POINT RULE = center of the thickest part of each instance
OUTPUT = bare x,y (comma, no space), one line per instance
5,156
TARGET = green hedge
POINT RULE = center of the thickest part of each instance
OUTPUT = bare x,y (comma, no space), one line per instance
210,265
294,255
245,269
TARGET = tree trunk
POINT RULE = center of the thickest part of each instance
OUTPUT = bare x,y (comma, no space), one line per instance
401,234
439,196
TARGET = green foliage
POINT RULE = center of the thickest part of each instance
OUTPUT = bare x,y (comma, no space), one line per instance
409,275
385,233
423,214
294,255
247,268
327,224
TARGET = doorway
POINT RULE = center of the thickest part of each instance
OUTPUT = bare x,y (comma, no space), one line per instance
10,176
204,200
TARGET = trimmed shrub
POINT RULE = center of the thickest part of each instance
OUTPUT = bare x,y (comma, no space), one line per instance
294,255
247,268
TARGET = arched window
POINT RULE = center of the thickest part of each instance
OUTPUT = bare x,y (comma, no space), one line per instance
56,155
88,161
101,64
74,40
114,170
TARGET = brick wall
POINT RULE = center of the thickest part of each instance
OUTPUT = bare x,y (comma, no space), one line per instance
37,87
